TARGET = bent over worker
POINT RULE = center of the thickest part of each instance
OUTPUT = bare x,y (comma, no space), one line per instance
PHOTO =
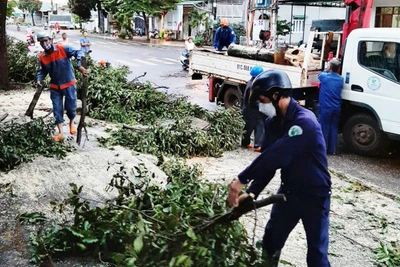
294,143
224,36
54,60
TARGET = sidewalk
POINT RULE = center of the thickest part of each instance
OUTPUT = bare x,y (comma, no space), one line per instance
143,40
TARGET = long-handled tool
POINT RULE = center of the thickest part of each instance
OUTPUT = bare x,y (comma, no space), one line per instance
32,105
246,205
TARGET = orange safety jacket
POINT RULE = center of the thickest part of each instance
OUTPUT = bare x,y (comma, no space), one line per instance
58,66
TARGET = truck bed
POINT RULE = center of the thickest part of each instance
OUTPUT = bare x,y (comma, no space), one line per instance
235,69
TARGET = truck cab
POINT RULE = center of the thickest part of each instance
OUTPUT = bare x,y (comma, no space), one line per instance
371,91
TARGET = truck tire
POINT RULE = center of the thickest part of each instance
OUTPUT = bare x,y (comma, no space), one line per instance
362,134
232,97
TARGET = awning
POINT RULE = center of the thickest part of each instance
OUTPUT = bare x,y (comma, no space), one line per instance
45,7
189,3
327,3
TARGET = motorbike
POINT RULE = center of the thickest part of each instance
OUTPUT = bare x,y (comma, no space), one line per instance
184,59
30,39
154,34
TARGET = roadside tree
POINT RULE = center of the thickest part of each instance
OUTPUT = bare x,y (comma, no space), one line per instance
31,6
4,82
124,10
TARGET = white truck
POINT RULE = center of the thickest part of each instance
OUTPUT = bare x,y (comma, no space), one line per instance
371,91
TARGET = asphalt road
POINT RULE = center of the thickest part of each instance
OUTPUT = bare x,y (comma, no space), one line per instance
161,63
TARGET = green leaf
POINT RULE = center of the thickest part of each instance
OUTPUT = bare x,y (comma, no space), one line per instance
90,240
81,246
190,233
138,243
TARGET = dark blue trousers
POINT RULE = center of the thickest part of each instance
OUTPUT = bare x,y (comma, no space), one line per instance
313,211
256,124
329,120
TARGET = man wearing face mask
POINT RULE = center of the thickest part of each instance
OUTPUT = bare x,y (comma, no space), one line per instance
224,36
85,43
55,61
293,142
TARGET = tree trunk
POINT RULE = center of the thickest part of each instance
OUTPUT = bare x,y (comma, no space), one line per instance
100,17
251,53
146,25
4,82
33,19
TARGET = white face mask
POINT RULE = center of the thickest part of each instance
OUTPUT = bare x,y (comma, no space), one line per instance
267,109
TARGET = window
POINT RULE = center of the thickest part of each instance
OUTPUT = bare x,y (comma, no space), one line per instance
297,25
387,17
382,58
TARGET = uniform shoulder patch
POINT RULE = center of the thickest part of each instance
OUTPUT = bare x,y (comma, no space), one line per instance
295,130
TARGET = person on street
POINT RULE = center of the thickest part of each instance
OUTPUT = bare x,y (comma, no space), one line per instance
57,27
85,43
293,142
189,45
224,36
64,39
55,61
330,101
252,116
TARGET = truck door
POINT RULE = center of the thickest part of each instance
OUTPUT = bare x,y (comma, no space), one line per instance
373,80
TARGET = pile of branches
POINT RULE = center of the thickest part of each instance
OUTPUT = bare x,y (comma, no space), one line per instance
182,138
22,142
113,98
146,225
22,67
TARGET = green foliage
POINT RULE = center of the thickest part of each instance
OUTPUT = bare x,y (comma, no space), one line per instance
21,66
149,226
283,27
30,5
239,30
22,142
183,139
125,9
10,8
388,255
81,8
198,41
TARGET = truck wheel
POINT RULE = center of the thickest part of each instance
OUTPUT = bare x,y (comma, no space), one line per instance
361,132
232,97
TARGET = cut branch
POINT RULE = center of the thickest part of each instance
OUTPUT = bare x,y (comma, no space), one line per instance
81,124
34,101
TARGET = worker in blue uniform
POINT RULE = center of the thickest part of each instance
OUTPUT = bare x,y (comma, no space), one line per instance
293,142
253,118
330,101
224,36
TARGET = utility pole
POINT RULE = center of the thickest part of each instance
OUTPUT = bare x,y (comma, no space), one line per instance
274,23
214,8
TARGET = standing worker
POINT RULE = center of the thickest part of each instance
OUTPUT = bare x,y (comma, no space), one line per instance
252,116
64,39
85,43
224,36
55,61
293,142
330,101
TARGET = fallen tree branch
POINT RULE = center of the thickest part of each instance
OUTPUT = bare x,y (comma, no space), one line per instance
81,124
354,241
138,77
34,101
3,117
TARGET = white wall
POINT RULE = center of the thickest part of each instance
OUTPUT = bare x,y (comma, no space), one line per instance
381,3
312,13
